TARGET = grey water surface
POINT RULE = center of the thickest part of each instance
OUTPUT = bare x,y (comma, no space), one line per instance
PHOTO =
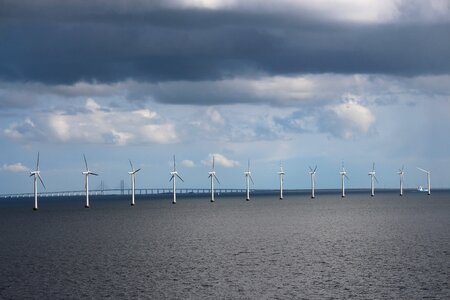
325,248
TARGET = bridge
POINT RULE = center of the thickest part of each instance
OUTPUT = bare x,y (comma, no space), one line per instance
127,191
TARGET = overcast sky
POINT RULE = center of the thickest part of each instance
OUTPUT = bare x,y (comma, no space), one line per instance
303,82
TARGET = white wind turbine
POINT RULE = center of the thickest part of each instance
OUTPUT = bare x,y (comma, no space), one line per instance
428,179
401,173
281,173
373,178
248,177
343,174
213,177
174,174
313,180
132,173
87,173
36,174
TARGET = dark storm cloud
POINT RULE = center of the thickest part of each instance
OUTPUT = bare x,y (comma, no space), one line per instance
59,43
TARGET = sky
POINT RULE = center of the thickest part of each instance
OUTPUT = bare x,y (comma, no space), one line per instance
302,83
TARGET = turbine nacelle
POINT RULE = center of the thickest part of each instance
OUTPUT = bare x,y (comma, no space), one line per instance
133,172
281,172
372,173
343,172
37,173
89,173
175,174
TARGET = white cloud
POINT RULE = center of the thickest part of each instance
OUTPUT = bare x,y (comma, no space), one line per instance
25,130
221,160
361,11
215,116
187,163
92,105
16,168
96,125
349,119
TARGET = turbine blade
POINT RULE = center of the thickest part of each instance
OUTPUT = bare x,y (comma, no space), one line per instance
137,170
248,166
346,177
37,164
180,177
315,168
42,182
95,174
174,166
132,169
217,179
213,163
375,178
85,162
251,179
171,178
310,168
422,170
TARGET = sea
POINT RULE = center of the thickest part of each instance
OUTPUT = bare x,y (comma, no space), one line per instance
361,247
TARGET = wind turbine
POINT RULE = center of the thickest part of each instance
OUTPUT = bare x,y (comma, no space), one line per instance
213,177
428,179
174,174
401,173
281,173
132,173
343,175
248,177
36,174
372,178
87,173
313,179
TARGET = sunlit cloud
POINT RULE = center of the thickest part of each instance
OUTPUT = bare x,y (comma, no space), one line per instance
220,160
14,168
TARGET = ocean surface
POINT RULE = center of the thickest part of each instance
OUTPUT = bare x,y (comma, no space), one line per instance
325,248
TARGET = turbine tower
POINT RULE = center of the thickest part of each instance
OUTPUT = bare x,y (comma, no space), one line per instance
343,175
281,173
401,173
87,173
428,179
36,174
132,173
248,177
174,174
213,177
373,178
313,180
